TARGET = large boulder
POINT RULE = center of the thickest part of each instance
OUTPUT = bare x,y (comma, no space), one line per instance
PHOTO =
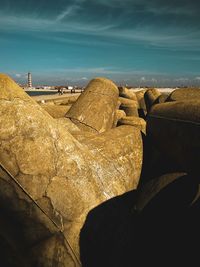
46,169
95,108
184,94
174,128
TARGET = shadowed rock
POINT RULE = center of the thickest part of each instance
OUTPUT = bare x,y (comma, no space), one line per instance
151,97
161,218
65,178
163,98
142,106
174,128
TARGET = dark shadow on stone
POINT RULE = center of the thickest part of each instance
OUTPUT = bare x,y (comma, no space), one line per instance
141,113
155,163
116,234
13,249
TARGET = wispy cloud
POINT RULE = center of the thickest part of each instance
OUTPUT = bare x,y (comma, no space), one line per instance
70,10
182,79
105,71
168,37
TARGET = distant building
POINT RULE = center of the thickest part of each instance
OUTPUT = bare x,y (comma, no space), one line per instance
29,80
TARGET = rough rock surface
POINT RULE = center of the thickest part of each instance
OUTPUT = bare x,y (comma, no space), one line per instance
126,93
60,175
129,106
118,115
56,111
134,121
95,108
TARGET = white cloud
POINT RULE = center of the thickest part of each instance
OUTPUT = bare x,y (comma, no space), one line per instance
182,79
70,10
165,37
18,75
197,78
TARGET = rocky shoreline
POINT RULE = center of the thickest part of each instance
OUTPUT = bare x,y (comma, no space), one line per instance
82,176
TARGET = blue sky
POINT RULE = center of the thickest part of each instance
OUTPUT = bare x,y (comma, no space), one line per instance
138,42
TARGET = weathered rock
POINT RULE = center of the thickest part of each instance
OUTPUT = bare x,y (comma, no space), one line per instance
69,100
151,97
139,123
142,106
184,94
163,98
56,111
129,106
126,93
174,128
128,102
57,173
95,108
126,145
119,114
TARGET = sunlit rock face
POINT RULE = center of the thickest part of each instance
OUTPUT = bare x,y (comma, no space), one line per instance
184,94
95,108
60,172
56,111
130,110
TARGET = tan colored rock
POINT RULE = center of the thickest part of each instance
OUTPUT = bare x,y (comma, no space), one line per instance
184,94
130,107
62,178
69,100
95,108
163,98
126,93
137,122
128,102
151,98
141,102
126,146
56,111
118,115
